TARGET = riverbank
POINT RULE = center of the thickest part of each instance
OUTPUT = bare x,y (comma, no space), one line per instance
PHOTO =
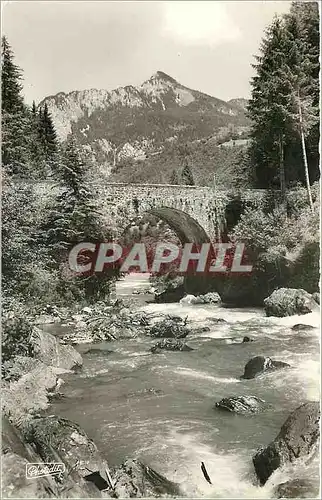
159,408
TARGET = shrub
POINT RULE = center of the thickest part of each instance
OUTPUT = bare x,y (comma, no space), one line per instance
16,336
259,231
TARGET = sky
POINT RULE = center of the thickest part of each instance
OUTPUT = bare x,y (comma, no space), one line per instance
71,45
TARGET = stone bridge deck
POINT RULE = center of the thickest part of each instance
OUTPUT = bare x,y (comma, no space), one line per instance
121,202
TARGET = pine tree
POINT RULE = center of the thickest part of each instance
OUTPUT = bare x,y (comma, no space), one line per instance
269,108
302,29
74,219
285,97
11,98
14,116
174,179
47,133
187,177
21,149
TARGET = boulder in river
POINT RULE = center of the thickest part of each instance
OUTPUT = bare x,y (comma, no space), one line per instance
18,451
50,351
208,298
211,298
297,488
170,345
190,299
24,398
243,405
57,439
300,327
289,301
262,364
169,328
316,297
15,484
46,319
239,340
217,320
200,329
169,289
134,479
15,456
298,438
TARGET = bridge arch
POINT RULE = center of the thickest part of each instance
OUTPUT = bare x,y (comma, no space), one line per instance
184,225
188,230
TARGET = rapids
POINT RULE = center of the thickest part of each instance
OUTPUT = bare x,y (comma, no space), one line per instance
160,407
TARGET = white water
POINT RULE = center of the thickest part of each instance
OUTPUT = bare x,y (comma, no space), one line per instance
177,428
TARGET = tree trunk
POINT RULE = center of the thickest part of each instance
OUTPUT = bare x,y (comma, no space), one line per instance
217,225
306,167
282,169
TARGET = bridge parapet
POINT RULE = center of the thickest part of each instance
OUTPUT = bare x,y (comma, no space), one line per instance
119,203
122,202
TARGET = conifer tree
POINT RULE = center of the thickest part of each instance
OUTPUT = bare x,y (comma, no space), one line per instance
302,30
49,133
285,96
11,98
174,179
74,219
187,177
269,108
22,153
14,115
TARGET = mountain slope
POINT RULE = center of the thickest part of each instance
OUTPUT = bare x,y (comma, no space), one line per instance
136,124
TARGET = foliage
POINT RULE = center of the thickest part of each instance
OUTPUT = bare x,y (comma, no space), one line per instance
73,219
16,336
287,76
17,226
36,240
259,230
11,98
187,176
174,179
47,133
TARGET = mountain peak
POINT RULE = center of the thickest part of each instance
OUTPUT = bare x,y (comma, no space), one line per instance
160,75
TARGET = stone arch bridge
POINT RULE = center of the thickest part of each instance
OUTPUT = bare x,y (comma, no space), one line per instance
194,212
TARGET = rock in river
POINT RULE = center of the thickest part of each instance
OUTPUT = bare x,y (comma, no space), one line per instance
208,298
262,364
17,453
316,297
300,327
170,345
297,488
48,350
169,328
298,438
169,290
134,479
289,301
243,405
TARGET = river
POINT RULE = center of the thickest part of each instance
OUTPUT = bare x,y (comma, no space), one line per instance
160,407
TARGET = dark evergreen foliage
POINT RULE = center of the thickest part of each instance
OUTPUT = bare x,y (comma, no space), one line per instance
174,179
11,98
287,72
186,176
48,134
36,246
